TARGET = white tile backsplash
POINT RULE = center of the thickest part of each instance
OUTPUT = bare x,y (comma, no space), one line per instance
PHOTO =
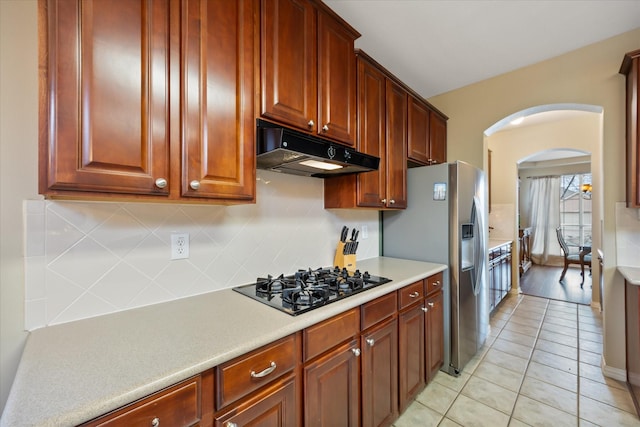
84,259
501,218
627,236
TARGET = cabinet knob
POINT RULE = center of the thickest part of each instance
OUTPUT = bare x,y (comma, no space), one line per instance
325,128
415,294
230,424
436,283
384,200
425,309
311,123
155,422
355,351
161,182
370,341
430,304
195,185
392,201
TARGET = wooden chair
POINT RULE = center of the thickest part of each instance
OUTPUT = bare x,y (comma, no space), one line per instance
582,257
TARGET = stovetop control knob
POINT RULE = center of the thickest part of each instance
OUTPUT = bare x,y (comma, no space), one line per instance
357,274
366,275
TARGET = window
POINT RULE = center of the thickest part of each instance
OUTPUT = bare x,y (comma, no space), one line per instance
575,209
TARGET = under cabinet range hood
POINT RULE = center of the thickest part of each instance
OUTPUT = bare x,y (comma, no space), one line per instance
285,150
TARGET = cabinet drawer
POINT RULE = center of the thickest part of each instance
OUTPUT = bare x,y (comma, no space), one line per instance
325,335
433,283
178,405
247,373
410,294
378,309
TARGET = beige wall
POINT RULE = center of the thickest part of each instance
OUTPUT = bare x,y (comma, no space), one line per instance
18,170
585,76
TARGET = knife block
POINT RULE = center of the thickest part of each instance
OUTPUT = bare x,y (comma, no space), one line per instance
344,261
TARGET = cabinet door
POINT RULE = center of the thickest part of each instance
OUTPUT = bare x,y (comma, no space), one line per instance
336,80
410,354
288,62
437,139
380,375
332,388
105,105
418,131
396,122
434,333
371,133
217,99
275,407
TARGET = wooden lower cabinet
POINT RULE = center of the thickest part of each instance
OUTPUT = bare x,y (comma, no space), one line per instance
410,354
380,374
362,367
274,407
332,388
434,334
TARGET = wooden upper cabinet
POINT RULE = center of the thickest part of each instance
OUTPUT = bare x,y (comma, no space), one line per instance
336,80
289,62
396,155
115,122
437,138
382,121
631,69
104,104
418,131
218,124
426,134
307,70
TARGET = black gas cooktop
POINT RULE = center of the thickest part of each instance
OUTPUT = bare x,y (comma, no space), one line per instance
308,289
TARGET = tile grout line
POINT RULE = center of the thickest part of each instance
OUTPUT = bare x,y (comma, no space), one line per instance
524,374
459,393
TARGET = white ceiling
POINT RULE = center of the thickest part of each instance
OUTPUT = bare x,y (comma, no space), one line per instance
435,46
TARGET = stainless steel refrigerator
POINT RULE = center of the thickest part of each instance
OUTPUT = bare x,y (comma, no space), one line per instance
445,223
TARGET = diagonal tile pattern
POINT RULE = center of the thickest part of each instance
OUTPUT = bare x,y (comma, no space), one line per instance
84,259
540,366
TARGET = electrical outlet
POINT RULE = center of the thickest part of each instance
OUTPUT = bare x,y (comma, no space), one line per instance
365,232
179,245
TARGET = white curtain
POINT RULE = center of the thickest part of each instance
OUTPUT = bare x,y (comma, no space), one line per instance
544,214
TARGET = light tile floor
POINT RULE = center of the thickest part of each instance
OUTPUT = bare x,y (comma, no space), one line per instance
540,366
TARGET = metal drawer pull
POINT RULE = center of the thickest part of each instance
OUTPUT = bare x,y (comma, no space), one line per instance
436,283
195,185
356,351
430,304
161,183
264,373
425,309
415,294
230,424
155,422
325,128
311,124
370,341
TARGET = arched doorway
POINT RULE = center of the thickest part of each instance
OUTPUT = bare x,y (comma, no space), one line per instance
555,192
552,129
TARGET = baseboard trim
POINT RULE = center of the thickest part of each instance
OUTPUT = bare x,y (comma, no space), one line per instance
611,372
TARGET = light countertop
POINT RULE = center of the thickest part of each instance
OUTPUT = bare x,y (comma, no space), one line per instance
73,372
495,243
630,274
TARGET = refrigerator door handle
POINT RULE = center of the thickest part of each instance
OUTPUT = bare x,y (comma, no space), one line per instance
479,242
